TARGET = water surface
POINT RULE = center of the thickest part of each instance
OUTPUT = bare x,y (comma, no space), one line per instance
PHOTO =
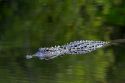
88,68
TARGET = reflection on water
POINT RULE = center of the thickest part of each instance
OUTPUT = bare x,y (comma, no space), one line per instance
90,68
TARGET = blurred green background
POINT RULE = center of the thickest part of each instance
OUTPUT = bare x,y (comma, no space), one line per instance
26,25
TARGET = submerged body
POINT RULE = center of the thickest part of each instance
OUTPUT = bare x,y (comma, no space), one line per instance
76,47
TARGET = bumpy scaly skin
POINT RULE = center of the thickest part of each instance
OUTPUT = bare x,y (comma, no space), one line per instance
76,47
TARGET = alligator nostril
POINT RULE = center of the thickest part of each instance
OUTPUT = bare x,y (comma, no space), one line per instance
28,56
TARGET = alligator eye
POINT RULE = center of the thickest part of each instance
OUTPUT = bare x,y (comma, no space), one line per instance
47,50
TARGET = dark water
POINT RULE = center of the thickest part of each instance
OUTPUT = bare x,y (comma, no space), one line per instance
88,68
